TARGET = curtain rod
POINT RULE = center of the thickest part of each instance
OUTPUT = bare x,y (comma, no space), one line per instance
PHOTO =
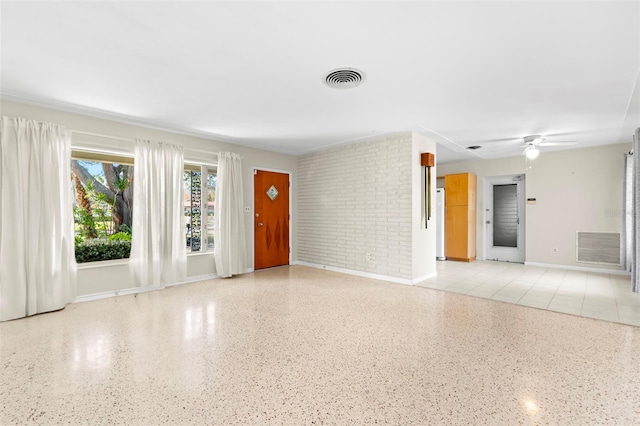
80,132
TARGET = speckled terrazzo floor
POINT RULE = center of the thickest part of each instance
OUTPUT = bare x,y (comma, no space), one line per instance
299,346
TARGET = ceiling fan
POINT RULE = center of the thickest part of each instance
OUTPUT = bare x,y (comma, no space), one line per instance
532,142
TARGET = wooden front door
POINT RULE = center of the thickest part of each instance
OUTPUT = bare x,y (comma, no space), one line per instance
271,219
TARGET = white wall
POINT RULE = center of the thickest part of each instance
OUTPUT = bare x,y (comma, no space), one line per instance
356,199
116,277
364,198
576,190
424,239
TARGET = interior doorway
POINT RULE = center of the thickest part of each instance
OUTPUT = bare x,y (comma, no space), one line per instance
271,218
504,218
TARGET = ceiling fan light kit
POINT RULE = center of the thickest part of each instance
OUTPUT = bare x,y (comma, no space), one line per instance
531,152
533,139
532,142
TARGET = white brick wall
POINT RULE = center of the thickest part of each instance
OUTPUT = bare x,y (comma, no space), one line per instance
355,200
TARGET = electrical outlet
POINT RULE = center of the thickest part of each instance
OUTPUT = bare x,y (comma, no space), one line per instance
369,256
555,249
247,209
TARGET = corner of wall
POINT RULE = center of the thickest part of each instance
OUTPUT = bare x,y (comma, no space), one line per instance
423,233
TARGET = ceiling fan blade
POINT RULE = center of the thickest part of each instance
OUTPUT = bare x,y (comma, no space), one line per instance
559,143
490,141
506,148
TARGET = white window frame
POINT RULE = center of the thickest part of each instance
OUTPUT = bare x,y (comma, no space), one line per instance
103,155
204,170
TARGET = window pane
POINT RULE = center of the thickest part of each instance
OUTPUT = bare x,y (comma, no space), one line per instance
211,198
102,207
199,199
187,208
192,184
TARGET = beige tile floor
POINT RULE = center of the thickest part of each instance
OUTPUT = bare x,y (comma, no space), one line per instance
593,295
298,346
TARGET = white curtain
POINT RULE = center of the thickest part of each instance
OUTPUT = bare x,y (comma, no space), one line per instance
230,249
635,271
627,221
37,263
158,248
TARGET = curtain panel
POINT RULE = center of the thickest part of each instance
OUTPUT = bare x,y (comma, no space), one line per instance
230,251
37,262
635,272
158,251
627,221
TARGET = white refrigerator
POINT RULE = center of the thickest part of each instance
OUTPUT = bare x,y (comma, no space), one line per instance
440,224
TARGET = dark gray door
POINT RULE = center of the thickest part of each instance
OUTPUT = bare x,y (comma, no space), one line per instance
505,215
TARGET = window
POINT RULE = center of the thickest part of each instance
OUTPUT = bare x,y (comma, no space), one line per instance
199,202
102,205
211,198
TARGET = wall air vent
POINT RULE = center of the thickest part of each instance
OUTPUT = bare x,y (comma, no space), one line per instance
603,248
344,78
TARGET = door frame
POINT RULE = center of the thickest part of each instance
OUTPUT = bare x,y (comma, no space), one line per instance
489,182
253,209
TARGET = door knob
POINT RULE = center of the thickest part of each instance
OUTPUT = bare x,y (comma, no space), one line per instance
259,223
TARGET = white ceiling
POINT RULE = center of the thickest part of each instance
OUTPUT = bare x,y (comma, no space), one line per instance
465,73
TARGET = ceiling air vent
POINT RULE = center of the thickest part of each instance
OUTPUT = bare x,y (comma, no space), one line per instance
344,78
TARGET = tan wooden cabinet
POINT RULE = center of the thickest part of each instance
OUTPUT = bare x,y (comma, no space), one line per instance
460,217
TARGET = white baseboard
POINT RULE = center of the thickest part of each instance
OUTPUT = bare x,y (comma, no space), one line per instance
115,293
578,268
246,271
364,274
194,279
424,278
135,290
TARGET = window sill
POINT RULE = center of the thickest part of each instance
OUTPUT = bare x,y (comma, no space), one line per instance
103,263
200,253
117,262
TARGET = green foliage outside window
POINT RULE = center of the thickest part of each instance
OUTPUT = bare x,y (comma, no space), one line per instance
120,236
102,209
97,249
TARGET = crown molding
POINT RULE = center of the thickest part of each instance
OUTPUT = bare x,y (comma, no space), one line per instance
125,119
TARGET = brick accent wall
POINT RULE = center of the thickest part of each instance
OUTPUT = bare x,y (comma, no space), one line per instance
356,199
